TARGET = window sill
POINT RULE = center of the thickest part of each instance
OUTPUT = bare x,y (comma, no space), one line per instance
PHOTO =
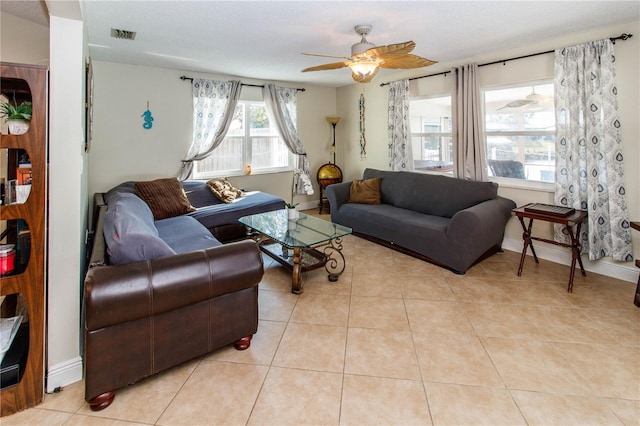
529,185
238,173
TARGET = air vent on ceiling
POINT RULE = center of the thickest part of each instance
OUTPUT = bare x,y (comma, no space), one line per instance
123,34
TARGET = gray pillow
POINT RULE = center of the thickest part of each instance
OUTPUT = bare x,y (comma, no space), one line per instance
130,233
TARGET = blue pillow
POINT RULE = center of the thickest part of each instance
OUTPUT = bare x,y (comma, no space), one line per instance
130,233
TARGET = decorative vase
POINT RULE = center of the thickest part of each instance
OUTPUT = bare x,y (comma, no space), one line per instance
292,213
18,126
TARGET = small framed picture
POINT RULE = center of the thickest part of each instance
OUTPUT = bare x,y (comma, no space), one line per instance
88,106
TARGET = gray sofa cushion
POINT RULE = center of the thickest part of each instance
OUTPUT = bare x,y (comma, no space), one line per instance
431,194
130,232
184,234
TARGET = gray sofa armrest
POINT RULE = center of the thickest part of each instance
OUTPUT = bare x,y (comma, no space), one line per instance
338,194
486,218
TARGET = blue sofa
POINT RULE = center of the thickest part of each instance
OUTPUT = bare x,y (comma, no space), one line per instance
450,222
220,218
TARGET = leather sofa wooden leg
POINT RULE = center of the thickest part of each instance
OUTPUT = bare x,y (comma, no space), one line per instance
244,343
101,401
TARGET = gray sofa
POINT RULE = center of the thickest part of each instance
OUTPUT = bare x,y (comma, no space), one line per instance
451,222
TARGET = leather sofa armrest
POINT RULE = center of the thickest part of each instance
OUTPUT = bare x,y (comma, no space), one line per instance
119,293
489,217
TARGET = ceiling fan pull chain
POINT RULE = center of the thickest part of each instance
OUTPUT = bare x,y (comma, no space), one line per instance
363,139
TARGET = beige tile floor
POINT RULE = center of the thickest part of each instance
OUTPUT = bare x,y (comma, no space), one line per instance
400,341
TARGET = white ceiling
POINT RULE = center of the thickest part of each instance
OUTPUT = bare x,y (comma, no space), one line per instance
264,39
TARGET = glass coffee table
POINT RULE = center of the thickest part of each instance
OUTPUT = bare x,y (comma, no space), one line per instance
301,244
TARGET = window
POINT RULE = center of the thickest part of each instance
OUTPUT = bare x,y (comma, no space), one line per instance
430,122
520,131
251,139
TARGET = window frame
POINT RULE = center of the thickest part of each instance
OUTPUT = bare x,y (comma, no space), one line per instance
439,135
247,151
506,181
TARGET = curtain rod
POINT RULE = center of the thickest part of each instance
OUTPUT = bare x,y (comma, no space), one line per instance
184,77
623,36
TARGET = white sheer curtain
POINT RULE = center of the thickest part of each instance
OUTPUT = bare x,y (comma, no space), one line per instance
468,124
589,161
400,150
281,104
213,105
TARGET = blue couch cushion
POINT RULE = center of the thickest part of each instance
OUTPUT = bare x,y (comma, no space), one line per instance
226,213
125,187
199,194
130,232
431,194
210,211
184,234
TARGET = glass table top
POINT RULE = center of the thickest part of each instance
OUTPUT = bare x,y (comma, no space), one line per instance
305,231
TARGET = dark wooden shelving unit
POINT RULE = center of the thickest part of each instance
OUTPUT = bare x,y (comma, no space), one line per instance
27,283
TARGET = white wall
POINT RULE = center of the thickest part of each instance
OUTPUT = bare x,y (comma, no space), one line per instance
123,150
67,207
535,68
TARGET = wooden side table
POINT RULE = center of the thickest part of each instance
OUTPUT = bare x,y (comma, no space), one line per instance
569,221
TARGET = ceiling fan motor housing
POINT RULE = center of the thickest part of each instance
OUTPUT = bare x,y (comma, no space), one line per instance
359,48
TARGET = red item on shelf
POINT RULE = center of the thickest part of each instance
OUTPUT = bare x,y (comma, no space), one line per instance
7,258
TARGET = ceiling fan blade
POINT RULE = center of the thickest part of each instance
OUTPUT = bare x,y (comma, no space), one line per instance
518,103
392,50
360,79
407,62
332,66
325,56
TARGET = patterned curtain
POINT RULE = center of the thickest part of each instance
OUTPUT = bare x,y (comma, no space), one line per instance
213,105
281,105
589,168
400,150
468,124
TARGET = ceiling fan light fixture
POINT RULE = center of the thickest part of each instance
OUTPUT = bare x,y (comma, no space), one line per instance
364,67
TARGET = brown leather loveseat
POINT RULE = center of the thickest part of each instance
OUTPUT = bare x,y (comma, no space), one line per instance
144,317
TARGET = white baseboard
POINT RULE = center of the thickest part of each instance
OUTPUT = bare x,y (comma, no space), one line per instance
625,271
64,374
308,205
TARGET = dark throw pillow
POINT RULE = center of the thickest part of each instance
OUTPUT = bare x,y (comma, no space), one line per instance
365,191
223,190
165,197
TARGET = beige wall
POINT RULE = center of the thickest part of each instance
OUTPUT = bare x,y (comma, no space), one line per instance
535,68
22,41
123,150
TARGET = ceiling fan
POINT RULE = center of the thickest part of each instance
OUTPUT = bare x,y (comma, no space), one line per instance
529,102
367,59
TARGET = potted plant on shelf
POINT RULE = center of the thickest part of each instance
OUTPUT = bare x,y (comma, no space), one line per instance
18,116
307,187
